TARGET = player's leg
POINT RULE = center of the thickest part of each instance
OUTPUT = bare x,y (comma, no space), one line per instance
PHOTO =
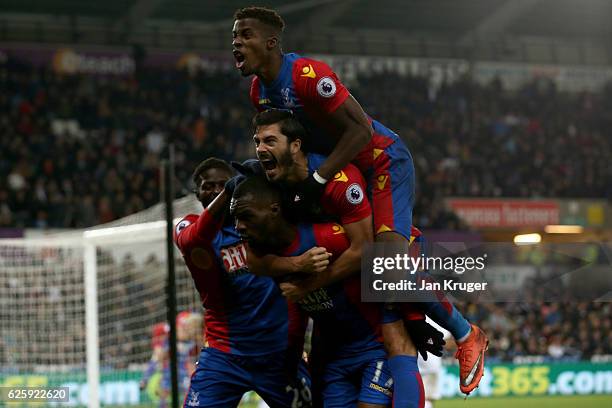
219,381
386,221
377,385
392,186
338,388
392,200
401,359
271,381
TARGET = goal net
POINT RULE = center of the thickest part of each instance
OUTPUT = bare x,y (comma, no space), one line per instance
77,308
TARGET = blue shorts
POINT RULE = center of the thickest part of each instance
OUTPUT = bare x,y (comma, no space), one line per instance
362,378
220,380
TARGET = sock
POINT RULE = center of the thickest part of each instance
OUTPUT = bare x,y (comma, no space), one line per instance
439,309
407,382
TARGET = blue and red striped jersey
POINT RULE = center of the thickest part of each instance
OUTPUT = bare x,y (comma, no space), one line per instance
311,90
244,314
345,324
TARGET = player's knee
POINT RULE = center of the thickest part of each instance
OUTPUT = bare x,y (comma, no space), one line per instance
397,341
389,236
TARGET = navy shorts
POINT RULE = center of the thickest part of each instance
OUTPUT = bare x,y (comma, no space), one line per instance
220,380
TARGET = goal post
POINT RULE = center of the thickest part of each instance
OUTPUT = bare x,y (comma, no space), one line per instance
78,306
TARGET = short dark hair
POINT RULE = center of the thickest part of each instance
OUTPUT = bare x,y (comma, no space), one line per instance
211,163
260,188
265,15
289,125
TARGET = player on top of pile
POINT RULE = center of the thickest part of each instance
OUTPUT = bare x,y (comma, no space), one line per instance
340,129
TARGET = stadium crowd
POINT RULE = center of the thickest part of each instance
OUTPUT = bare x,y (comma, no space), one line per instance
58,133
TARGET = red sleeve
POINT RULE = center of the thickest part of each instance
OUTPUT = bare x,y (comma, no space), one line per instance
196,230
254,94
317,86
333,237
345,196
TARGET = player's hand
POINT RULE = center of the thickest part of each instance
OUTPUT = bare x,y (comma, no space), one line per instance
248,167
296,291
314,260
425,337
231,184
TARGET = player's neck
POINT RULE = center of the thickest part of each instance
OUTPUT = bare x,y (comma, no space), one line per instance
272,69
286,234
299,170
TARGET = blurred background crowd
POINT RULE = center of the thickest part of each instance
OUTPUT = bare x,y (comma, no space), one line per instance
81,150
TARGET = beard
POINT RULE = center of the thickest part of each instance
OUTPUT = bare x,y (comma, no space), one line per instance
285,161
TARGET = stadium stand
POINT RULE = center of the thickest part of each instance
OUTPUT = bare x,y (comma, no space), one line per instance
60,132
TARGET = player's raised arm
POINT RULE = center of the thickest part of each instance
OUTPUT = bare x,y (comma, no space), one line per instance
327,99
355,133
210,178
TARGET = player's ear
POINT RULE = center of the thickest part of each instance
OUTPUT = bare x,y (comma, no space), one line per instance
275,208
295,146
272,42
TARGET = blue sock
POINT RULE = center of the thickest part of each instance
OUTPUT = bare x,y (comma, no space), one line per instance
439,309
407,382
446,315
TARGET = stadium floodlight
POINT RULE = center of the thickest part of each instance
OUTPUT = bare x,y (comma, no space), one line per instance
527,239
564,229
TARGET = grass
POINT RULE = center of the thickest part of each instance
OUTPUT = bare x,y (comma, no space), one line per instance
587,401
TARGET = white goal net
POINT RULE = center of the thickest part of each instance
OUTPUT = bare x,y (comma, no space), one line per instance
48,337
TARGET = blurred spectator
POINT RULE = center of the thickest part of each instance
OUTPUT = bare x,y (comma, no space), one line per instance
78,141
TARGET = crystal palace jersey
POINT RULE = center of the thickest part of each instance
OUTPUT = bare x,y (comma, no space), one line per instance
346,326
244,314
311,90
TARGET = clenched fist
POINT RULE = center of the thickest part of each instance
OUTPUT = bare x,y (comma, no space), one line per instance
314,260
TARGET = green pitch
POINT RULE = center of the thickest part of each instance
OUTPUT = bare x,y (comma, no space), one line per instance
589,401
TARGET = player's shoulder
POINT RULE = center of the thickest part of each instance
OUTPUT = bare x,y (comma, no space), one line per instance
329,228
307,69
307,66
331,235
348,175
347,185
184,222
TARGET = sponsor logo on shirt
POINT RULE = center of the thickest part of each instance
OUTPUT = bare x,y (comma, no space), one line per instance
317,301
234,259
